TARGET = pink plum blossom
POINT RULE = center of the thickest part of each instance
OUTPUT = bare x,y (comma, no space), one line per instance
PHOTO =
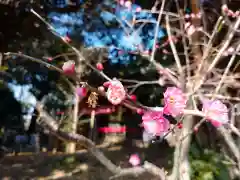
138,9
81,91
69,67
193,15
134,160
128,4
154,123
133,97
225,8
116,92
199,15
187,16
216,112
230,50
237,13
140,111
101,88
121,2
174,101
99,66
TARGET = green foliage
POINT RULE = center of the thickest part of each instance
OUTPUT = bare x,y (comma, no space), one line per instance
207,165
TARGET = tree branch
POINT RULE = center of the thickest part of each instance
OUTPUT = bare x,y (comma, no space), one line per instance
47,122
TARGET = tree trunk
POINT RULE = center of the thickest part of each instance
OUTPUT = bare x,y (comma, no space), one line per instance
181,167
71,146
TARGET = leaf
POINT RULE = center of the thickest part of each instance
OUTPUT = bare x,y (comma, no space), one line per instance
195,151
223,173
207,176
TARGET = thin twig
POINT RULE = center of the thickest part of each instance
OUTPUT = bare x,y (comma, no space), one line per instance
157,30
219,54
226,71
174,50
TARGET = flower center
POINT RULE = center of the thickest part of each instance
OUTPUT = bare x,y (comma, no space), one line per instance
171,99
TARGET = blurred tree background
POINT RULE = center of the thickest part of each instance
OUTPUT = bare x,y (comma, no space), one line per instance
90,29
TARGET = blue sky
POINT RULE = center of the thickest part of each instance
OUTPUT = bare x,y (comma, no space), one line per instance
23,95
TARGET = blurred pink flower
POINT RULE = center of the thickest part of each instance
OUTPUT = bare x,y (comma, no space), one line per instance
154,123
101,88
190,29
187,16
128,4
66,39
216,112
121,2
174,101
68,67
225,8
81,91
116,92
237,13
134,160
138,9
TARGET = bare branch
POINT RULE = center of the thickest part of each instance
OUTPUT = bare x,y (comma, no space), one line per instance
47,122
157,30
220,53
174,50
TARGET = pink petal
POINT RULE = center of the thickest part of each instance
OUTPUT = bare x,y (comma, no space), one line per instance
81,91
68,67
121,2
154,123
138,9
216,112
216,123
128,4
134,160
174,101
116,92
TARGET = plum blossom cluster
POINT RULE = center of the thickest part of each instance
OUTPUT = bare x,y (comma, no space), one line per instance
175,101
115,93
119,29
154,123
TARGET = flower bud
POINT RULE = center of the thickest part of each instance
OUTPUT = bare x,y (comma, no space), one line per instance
69,67
99,66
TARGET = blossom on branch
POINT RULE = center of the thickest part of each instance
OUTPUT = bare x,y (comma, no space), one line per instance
154,123
134,160
174,101
216,112
68,67
116,92
81,91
